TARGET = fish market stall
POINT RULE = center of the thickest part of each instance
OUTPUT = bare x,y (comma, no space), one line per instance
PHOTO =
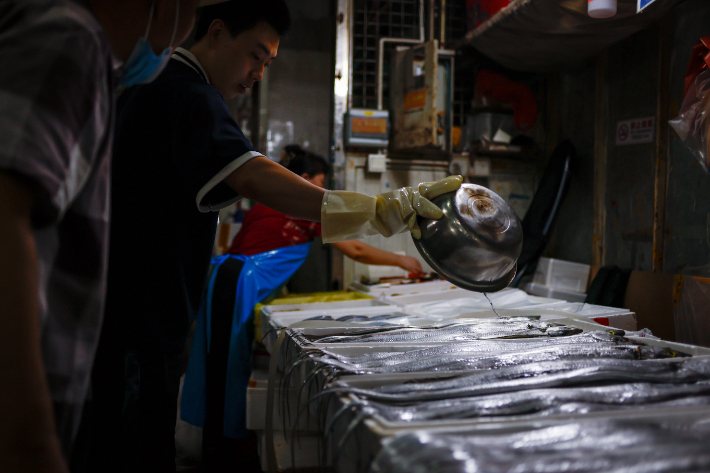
356,390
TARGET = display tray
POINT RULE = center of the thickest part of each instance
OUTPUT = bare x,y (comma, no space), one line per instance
272,321
389,290
407,300
507,299
296,346
337,305
355,452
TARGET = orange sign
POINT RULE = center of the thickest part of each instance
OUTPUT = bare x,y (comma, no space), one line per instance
415,99
368,125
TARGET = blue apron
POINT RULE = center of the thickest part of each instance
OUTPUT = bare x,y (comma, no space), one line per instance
261,275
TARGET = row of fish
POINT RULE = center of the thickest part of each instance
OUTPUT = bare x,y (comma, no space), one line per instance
483,329
493,368
543,388
577,447
491,354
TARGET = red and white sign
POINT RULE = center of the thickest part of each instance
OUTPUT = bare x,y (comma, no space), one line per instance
638,130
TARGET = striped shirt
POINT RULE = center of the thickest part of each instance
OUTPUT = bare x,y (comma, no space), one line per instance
55,129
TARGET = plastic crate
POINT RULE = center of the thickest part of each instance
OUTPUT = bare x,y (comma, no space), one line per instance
560,274
554,292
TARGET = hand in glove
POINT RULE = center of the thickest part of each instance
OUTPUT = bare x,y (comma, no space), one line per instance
351,215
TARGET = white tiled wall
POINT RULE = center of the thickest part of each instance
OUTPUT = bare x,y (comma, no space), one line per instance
358,180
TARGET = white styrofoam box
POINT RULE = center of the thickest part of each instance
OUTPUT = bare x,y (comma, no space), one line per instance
471,301
426,297
353,307
319,306
608,316
389,289
554,292
291,454
256,406
622,321
562,274
366,440
516,299
375,272
692,350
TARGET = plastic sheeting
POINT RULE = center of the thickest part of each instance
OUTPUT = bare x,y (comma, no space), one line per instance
508,299
539,35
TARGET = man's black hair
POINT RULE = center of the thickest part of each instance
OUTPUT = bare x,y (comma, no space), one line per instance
299,161
242,15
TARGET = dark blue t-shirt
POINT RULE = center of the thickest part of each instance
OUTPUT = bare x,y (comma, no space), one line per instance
175,142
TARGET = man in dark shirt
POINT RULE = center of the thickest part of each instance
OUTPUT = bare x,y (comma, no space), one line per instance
179,154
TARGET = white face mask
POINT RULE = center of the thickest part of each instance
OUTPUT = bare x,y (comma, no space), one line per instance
143,65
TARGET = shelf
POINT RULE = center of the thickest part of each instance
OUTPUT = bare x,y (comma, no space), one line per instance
542,35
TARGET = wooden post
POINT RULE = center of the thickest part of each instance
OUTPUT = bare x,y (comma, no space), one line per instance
662,130
601,133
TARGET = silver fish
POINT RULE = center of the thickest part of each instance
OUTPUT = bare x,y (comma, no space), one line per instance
537,375
575,400
608,446
477,346
477,361
460,332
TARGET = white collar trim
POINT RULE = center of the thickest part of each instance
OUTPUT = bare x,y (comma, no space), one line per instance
192,64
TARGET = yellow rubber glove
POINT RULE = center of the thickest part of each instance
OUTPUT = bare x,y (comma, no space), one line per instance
351,215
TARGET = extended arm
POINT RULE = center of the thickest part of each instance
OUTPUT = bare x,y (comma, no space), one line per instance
344,215
273,185
364,253
28,441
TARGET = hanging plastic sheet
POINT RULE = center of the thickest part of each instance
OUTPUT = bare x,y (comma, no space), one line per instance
692,122
262,275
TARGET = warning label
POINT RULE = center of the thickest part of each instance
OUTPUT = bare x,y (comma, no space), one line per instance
638,130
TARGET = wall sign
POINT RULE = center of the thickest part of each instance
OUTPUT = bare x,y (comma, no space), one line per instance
638,130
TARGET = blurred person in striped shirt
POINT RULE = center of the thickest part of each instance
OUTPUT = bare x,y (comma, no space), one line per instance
61,61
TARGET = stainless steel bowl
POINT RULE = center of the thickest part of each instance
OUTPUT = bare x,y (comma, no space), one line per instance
476,244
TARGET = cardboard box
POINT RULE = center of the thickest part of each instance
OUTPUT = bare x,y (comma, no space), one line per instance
650,296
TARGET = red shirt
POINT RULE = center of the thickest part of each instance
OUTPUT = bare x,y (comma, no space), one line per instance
265,229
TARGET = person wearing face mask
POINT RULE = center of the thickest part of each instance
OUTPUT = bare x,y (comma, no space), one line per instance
179,157
58,60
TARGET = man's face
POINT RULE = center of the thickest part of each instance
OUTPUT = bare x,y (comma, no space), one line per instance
241,60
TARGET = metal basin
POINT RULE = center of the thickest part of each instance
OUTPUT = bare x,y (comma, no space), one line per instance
477,242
